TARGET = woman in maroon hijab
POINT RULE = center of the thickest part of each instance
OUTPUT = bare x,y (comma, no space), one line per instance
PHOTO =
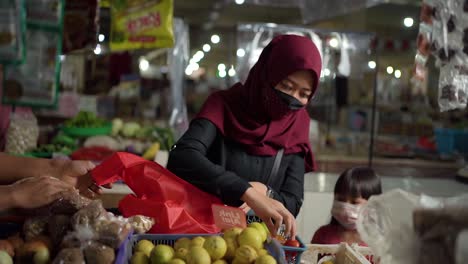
234,147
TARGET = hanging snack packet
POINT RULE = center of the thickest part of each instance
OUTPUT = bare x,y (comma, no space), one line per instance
141,24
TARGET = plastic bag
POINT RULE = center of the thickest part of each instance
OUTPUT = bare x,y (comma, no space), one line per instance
141,26
176,205
22,133
453,88
404,228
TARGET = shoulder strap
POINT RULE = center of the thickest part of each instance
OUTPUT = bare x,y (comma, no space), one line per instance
276,165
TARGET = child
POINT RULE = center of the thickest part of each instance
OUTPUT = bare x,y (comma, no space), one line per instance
352,189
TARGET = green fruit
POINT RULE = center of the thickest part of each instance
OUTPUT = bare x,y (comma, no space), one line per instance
260,229
42,256
144,246
198,255
262,252
265,259
5,258
183,242
232,233
161,254
216,247
139,258
197,241
231,248
181,253
220,261
251,237
176,261
265,227
246,254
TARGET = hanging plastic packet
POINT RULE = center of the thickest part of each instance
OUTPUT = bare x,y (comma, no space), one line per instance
22,133
452,88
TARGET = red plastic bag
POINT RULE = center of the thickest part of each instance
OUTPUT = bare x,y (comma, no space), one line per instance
176,205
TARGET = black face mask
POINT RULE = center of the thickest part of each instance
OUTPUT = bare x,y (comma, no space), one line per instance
290,101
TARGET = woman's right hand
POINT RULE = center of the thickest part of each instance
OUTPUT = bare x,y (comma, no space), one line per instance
272,212
37,191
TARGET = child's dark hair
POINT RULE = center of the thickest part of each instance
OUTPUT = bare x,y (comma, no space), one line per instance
358,182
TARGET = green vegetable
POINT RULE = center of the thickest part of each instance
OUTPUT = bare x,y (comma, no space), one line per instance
86,119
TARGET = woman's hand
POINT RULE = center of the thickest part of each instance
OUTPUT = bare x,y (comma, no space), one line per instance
272,212
36,191
259,187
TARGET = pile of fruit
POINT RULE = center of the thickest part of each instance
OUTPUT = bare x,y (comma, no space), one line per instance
235,245
85,119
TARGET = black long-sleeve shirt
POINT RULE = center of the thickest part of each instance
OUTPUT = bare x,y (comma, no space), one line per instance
208,160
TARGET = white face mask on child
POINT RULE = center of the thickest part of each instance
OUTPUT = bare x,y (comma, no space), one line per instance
345,213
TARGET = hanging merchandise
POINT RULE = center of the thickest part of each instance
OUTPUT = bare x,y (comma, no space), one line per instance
22,133
443,34
35,82
141,24
80,25
12,31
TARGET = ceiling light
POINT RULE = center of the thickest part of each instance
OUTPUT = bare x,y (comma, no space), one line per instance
144,65
389,69
231,71
101,37
198,56
97,50
372,64
240,2
333,43
408,22
397,74
188,71
215,39
240,52
326,72
206,47
221,67
222,74
271,25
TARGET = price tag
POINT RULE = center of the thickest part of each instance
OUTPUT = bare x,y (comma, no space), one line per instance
226,217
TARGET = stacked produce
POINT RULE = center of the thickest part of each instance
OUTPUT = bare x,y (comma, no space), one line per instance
71,230
235,245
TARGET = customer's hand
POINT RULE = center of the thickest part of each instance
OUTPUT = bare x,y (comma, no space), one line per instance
76,173
272,212
259,187
36,191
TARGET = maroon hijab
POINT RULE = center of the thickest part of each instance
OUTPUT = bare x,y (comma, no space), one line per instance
254,115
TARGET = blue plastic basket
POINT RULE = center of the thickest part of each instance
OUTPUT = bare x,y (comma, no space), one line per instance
293,254
450,141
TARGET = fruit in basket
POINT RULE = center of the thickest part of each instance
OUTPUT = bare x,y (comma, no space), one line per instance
328,262
220,261
292,243
197,241
232,233
181,253
250,236
161,254
6,246
176,261
231,247
99,253
139,258
42,256
246,254
262,252
183,242
216,247
265,259
260,229
198,255
16,241
144,246
5,258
